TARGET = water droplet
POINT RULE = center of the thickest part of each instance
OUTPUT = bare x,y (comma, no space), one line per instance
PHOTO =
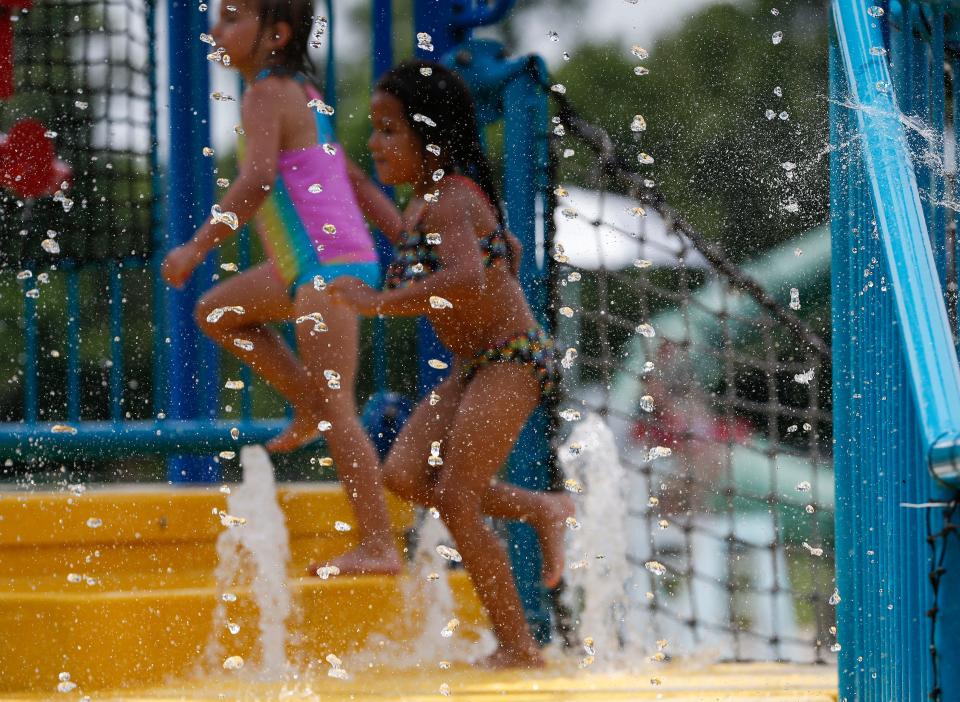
444,689
450,627
33,293
568,358
234,385
655,567
645,159
423,118
646,403
777,37
814,550
434,149
230,521
658,452
216,315
559,130
319,326
94,522
570,415
333,379
784,115
877,51
835,647
338,673
234,433
63,429
233,663
426,71
434,398
875,11
566,56
778,91
559,88
74,578
639,52
437,364
803,486
228,597
572,523
81,105
319,284
794,299
579,565
566,312
567,153
320,106
586,662
327,571
573,485
834,598
233,628
641,70
569,213
329,229
804,378
243,344
219,216
432,197
639,124
434,459
227,455
424,41
433,238
330,149
770,114
882,87
448,553
315,188
50,246
553,36
24,275
66,686
646,330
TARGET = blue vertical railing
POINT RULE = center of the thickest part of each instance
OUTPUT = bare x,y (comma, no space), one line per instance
896,378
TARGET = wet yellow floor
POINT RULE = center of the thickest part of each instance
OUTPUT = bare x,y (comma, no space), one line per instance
673,681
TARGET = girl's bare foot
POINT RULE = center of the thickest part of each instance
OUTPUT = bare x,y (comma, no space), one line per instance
507,658
300,432
365,560
550,528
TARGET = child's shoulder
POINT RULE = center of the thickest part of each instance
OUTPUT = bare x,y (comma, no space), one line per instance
460,195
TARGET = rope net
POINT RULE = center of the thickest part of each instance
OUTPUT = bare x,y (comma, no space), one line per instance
83,70
706,401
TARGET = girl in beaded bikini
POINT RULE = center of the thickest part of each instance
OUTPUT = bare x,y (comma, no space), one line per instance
456,265
307,199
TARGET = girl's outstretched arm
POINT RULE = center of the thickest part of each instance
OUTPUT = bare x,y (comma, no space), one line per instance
375,204
258,170
461,266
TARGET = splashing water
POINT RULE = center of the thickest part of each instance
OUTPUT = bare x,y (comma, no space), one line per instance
256,552
425,589
600,591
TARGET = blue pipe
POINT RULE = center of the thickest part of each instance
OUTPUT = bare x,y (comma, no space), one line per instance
926,337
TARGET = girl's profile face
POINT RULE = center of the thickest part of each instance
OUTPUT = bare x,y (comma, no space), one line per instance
397,150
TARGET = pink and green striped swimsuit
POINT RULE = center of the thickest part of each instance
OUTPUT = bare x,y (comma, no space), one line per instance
311,224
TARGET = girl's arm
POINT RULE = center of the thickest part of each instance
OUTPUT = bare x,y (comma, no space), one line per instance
375,204
461,265
261,115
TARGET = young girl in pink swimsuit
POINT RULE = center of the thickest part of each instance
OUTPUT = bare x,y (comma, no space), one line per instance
307,199
454,265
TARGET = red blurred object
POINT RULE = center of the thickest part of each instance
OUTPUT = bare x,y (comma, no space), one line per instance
7,7
28,165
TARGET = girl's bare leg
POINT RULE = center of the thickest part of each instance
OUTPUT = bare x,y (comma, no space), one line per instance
354,455
264,299
407,474
492,411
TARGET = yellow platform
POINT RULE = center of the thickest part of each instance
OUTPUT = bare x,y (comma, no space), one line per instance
141,614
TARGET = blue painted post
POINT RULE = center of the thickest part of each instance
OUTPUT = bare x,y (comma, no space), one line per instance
525,184
191,363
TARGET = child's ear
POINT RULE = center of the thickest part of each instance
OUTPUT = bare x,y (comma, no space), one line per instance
280,34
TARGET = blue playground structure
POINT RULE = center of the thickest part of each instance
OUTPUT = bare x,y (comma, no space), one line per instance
895,375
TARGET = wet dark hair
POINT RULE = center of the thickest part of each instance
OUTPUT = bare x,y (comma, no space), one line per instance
444,98
292,57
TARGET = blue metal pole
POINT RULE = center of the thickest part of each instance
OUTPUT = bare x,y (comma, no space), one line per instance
189,186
